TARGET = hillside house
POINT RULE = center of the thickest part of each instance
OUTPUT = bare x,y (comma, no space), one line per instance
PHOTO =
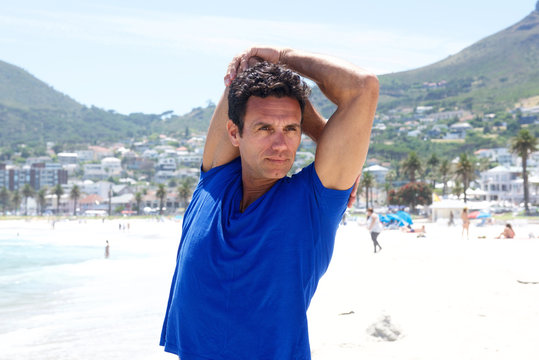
94,172
379,173
112,166
458,131
500,155
503,183
65,158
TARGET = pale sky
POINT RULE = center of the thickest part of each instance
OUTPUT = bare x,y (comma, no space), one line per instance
153,56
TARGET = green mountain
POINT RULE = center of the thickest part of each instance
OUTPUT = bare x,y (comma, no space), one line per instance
33,113
492,74
20,90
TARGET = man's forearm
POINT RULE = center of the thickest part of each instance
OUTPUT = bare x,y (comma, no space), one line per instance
339,80
218,149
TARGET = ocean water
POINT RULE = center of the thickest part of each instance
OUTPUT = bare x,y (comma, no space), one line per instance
61,298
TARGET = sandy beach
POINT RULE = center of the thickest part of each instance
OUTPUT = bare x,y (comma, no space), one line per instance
437,297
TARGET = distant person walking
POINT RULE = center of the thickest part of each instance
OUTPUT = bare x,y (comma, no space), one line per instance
107,250
465,223
374,226
451,219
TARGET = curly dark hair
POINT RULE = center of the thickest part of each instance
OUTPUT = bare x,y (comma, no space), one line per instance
262,80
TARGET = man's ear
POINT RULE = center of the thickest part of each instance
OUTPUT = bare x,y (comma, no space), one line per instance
233,133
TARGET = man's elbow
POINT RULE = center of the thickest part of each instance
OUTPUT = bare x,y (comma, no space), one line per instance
364,87
369,84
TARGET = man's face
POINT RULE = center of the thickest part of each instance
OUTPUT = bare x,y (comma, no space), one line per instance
271,135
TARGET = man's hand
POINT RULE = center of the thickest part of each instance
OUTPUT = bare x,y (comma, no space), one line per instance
250,57
353,194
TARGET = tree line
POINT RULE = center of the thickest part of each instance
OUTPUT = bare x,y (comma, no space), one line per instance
13,200
464,171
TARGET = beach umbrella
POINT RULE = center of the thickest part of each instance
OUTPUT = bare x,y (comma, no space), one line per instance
383,219
483,215
405,217
393,217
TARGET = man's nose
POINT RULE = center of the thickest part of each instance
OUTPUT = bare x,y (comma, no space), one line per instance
279,141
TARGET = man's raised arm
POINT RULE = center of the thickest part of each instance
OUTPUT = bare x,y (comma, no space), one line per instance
218,150
344,141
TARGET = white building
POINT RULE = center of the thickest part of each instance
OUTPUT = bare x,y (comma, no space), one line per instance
112,166
166,164
500,155
191,159
100,188
70,168
86,155
94,171
503,183
379,173
150,154
65,158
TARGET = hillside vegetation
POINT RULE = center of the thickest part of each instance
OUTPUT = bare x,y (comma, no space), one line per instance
492,74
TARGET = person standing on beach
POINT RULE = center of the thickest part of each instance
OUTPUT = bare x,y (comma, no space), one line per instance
374,226
451,219
255,242
465,223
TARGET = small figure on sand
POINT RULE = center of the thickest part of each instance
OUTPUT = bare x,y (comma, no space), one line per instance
410,229
451,219
507,233
343,220
374,226
107,250
465,223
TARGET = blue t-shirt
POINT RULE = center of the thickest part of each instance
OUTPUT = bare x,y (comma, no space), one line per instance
243,281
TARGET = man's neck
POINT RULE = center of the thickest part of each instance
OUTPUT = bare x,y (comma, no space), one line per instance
253,189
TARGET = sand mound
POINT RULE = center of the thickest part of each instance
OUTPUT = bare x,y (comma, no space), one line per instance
385,330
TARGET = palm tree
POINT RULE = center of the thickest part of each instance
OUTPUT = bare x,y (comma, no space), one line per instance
42,199
432,164
444,170
16,200
4,199
523,145
457,189
390,176
411,165
161,193
185,190
75,195
110,199
27,191
138,199
464,171
367,182
58,191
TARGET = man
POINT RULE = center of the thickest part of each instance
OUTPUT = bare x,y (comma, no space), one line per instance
374,226
255,242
